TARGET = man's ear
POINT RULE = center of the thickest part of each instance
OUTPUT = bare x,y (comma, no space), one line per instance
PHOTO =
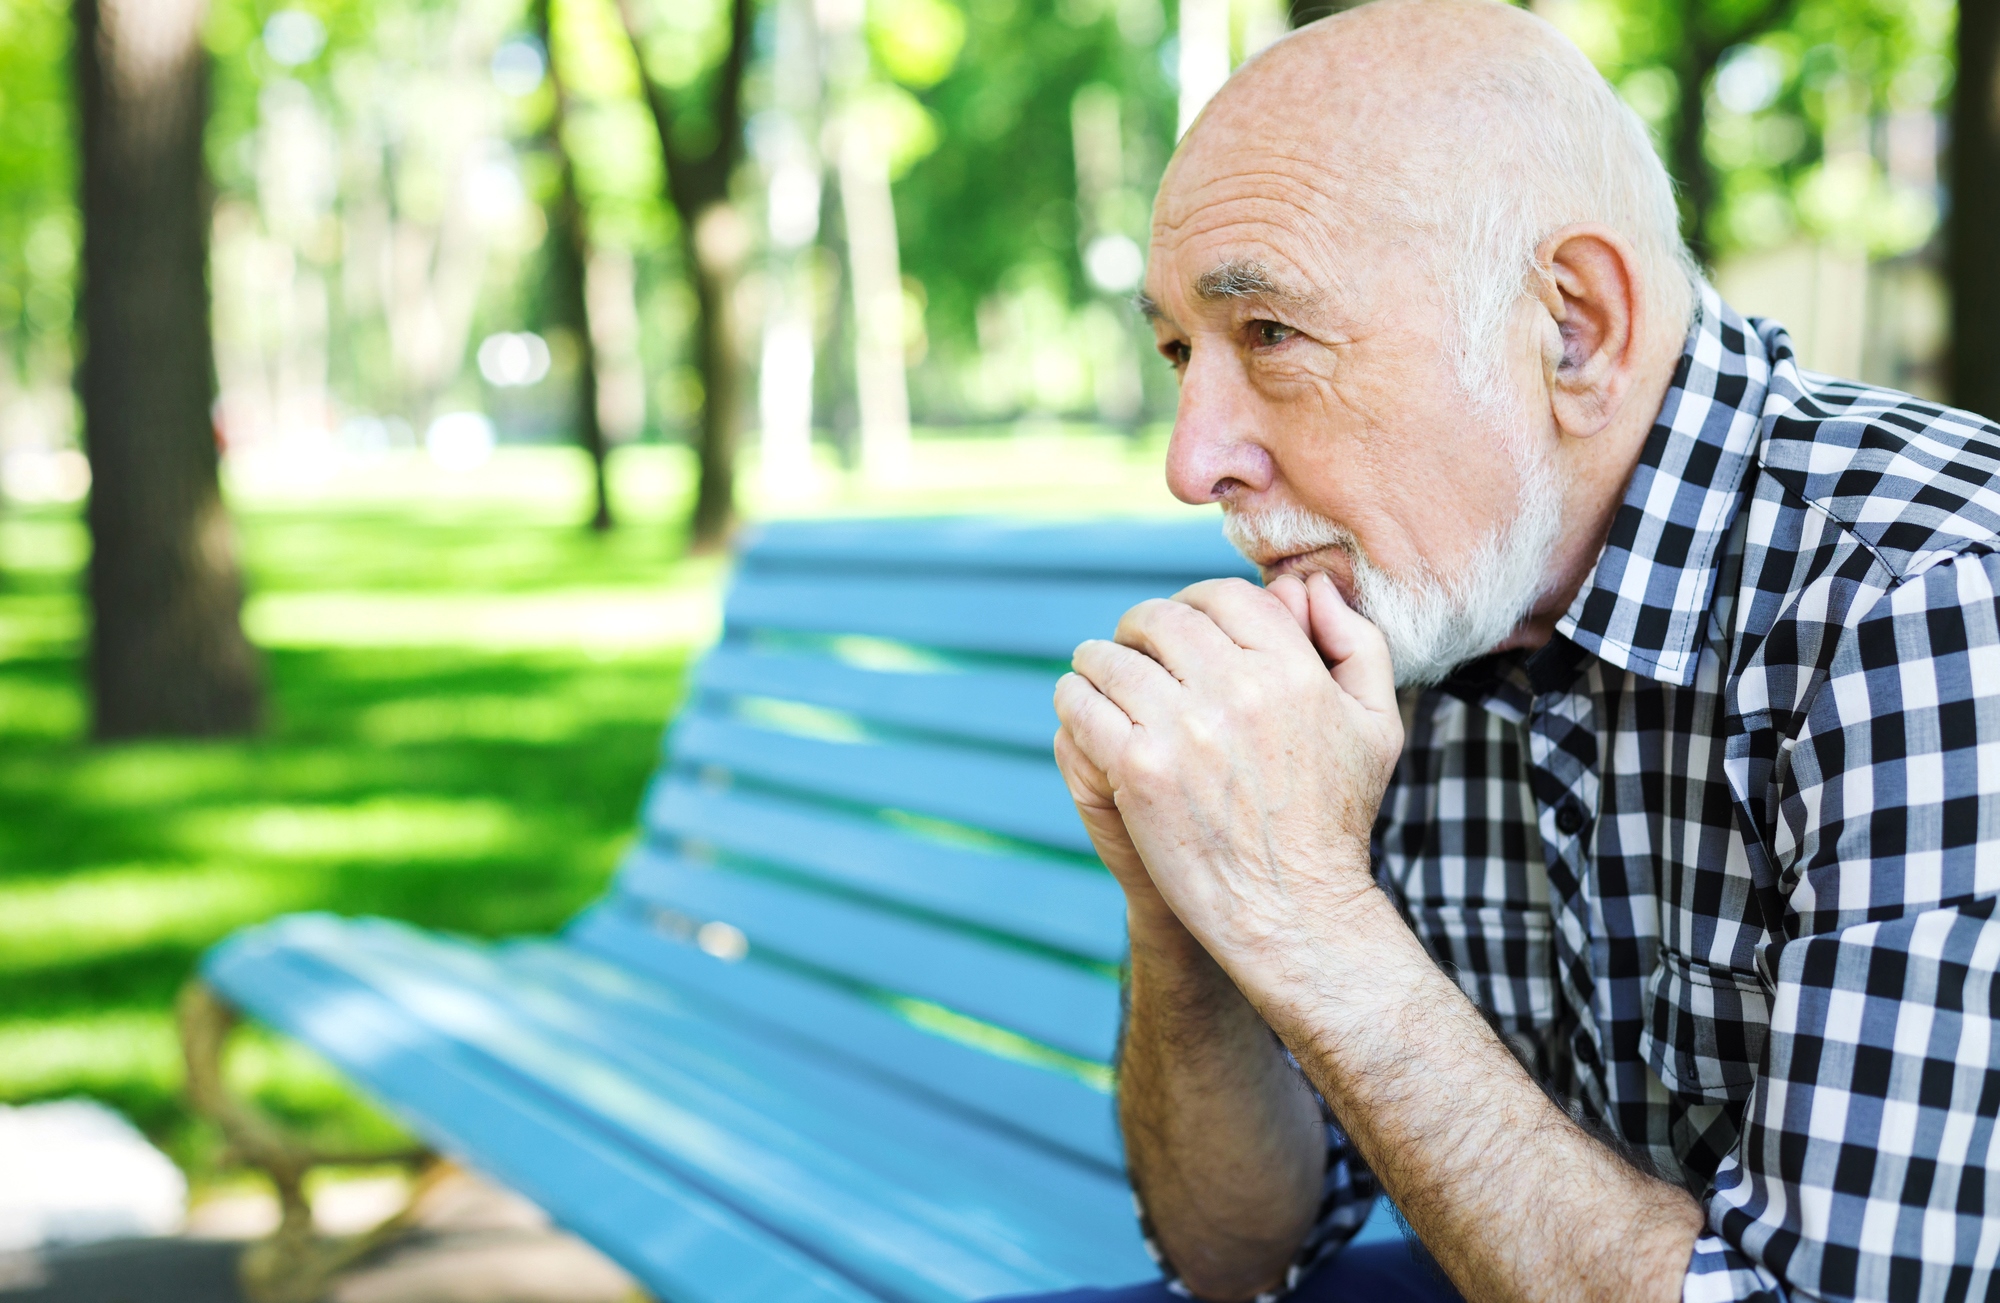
1590,286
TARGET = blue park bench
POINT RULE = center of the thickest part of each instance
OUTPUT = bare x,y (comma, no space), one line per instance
842,1028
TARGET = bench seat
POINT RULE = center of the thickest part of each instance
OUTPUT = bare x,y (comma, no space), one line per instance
842,1028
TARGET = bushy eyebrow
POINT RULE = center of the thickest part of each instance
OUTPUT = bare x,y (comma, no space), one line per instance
1239,278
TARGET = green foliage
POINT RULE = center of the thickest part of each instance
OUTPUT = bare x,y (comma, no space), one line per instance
38,228
684,44
1819,125
996,201
610,136
916,41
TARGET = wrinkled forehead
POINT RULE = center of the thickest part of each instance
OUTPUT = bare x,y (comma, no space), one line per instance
1260,222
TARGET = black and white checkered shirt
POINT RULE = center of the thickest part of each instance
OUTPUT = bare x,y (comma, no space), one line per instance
1722,859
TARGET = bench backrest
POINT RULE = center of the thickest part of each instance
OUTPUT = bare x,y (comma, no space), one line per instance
858,832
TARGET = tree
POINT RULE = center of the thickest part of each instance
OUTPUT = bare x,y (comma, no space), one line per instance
168,655
701,150
1973,260
995,210
1708,29
569,258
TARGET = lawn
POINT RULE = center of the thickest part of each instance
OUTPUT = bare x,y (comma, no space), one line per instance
466,692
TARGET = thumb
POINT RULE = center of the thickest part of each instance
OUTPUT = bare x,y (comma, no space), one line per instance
1355,650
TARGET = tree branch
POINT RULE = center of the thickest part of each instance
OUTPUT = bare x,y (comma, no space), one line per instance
696,181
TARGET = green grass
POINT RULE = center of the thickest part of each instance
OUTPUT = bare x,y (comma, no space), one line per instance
466,693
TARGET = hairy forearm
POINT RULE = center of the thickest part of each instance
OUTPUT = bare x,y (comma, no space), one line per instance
1223,1139
1514,1200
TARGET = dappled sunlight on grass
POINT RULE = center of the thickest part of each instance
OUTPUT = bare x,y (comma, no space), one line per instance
35,624
86,915
39,710
43,543
386,829
583,704
1028,468
593,620
388,784
120,1053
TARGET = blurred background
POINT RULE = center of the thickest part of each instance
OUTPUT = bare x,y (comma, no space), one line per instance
515,309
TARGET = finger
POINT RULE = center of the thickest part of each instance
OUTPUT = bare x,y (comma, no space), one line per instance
1139,685
1251,616
1174,634
1354,648
1091,721
1288,589
1088,785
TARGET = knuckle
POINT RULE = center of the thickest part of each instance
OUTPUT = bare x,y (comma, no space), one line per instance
1245,692
1144,761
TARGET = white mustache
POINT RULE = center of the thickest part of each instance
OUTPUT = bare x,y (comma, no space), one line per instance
1275,533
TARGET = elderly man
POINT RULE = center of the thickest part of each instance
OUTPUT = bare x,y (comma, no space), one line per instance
1642,947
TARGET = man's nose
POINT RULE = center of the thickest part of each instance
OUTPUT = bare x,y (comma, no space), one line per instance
1216,450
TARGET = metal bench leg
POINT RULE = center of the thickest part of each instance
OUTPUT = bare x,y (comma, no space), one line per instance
294,1265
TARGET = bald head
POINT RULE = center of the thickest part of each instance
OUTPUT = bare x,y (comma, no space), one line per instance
1467,130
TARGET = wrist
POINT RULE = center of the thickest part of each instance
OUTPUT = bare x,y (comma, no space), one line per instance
1353,970
1157,934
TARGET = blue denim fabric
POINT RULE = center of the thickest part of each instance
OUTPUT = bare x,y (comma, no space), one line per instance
1384,1272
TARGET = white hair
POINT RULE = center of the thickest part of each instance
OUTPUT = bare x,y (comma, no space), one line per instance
1558,146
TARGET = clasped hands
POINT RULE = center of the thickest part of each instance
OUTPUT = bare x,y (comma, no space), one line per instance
1228,751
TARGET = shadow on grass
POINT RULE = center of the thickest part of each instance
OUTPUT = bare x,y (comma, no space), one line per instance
458,790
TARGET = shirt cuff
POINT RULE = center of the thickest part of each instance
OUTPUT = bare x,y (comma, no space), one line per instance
1720,1273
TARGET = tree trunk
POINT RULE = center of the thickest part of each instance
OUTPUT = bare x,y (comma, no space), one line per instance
569,257
874,273
713,258
714,242
168,655
1692,171
1974,252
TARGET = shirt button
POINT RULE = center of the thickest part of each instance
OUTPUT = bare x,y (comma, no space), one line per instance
1569,818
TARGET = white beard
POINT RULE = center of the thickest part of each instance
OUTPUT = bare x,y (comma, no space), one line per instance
1433,624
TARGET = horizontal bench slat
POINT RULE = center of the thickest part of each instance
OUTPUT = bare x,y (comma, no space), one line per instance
1010,707
1190,544
1051,902
674,1238
1050,1001
1001,615
916,1202
1019,796
1035,1100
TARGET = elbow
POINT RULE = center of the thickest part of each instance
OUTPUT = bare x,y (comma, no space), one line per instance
1237,1269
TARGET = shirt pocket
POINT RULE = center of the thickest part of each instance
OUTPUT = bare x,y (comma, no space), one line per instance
1705,1028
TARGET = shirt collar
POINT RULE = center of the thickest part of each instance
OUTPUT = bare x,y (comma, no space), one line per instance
1645,607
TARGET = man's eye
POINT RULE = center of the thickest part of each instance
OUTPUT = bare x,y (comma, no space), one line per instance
1270,334
1176,354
